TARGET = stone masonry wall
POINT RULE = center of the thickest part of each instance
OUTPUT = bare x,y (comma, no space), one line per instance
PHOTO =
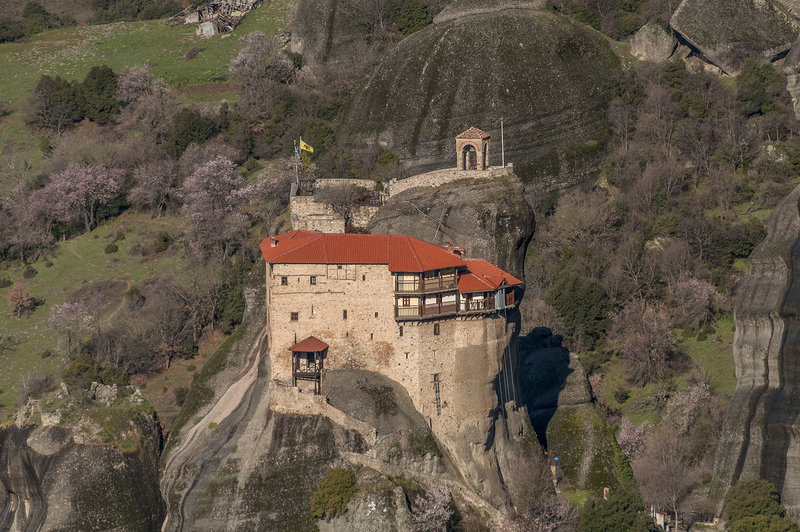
466,354
317,216
369,184
448,175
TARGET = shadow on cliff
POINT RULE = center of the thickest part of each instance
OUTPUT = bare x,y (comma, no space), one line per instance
543,372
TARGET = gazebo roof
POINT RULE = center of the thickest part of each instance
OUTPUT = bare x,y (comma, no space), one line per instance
309,345
473,133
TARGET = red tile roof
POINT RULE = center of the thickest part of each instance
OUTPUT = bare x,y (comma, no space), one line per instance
473,133
483,275
309,345
401,253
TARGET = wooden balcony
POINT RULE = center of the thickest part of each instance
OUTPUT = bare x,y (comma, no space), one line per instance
425,311
427,286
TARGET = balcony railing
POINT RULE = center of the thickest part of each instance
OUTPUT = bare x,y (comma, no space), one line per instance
426,311
478,305
427,285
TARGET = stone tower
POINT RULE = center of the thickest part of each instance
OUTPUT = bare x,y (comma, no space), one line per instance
472,149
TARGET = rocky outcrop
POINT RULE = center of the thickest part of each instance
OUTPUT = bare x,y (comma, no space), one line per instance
50,482
549,76
793,6
653,43
758,437
791,67
728,32
566,420
488,217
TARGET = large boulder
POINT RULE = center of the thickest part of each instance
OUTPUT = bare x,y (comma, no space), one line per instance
48,481
729,32
653,43
488,217
758,436
549,76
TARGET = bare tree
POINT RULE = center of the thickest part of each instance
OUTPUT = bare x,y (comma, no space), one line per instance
72,321
341,199
21,301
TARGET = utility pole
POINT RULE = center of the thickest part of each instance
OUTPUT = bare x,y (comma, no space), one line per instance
502,143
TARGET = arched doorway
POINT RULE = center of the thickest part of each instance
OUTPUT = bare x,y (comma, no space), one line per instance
469,157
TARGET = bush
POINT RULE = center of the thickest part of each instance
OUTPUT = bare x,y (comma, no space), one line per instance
422,442
752,498
413,16
5,282
180,395
763,523
162,242
29,272
111,248
190,126
620,512
383,397
621,395
333,493
582,303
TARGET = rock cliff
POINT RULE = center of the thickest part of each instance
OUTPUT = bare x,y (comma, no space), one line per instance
489,218
251,453
728,32
50,482
548,76
758,438
567,421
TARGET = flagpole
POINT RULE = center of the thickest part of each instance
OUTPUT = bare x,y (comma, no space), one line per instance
502,143
296,178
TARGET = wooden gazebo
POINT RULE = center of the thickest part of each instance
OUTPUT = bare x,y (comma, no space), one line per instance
307,361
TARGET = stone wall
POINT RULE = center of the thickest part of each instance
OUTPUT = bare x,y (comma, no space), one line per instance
466,354
317,216
368,184
448,175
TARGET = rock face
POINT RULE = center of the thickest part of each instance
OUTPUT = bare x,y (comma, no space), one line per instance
49,482
759,435
489,218
791,67
256,451
728,32
567,421
653,43
462,8
548,76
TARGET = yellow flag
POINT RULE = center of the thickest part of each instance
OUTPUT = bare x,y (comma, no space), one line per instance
306,147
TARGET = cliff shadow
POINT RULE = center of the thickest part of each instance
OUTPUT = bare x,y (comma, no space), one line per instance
544,367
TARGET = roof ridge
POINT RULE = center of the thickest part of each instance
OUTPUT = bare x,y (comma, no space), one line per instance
299,246
414,252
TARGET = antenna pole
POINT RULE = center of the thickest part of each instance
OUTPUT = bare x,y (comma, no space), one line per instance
502,143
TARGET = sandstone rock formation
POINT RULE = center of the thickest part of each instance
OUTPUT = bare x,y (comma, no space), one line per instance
791,67
758,437
251,454
489,218
549,76
557,395
729,32
50,482
653,43
792,5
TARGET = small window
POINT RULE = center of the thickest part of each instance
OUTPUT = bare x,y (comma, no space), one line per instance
339,267
295,316
406,356
312,279
401,334
376,314
364,277
406,301
370,336
436,329
284,281
344,314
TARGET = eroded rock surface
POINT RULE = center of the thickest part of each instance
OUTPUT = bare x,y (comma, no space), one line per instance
728,32
758,437
791,67
653,43
489,218
549,76
50,482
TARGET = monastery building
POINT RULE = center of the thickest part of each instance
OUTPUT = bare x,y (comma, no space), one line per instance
418,313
